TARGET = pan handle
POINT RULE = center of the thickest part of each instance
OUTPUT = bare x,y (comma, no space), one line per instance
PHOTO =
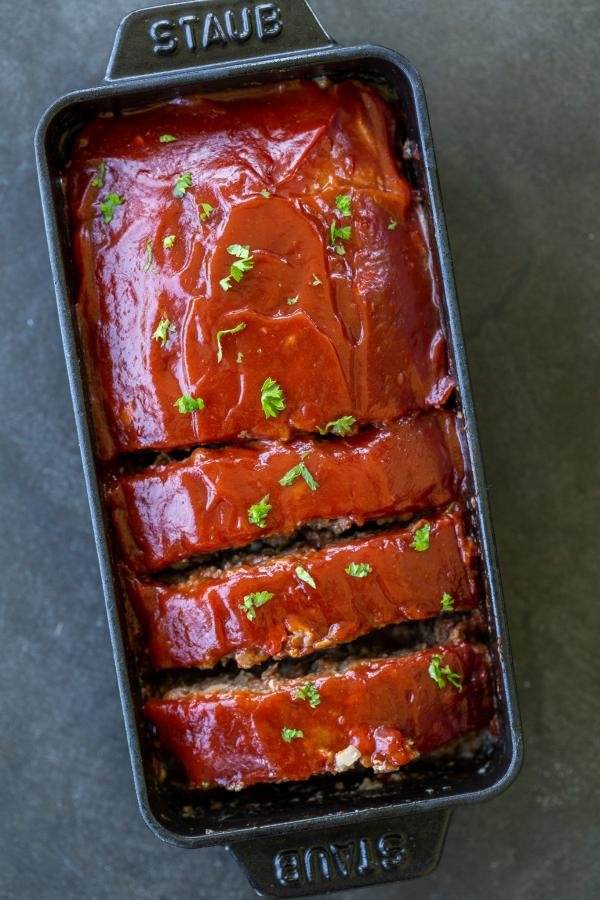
339,858
179,36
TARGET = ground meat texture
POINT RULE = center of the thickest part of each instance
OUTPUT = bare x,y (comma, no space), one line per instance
382,713
368,318
204,620
202,504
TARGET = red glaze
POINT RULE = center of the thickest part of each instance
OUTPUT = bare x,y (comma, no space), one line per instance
169,513
367,341
200,622
390,710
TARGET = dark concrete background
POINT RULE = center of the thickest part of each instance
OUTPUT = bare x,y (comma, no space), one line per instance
514,98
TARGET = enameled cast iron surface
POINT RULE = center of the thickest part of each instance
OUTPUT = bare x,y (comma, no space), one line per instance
312,837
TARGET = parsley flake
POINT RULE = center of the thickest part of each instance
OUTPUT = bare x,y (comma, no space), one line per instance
308,692
299,471
187,404
253,601
182,184
107,207
243,263
420,540
162,332
266,194
271,398
392,225
168,241
288,734
291,301
148,262
238,328
316,280
205,211
447,603
305,576
358,570
440,674
341,426
258,512
167,138
344,204
240,357
98,181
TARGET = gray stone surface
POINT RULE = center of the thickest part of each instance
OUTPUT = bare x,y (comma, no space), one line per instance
514,99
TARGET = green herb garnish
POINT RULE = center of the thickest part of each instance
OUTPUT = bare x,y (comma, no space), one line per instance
308,692
358,570
258,512
187,404
271,398
167,138
168,241
316,280
392,225
440,674
253,601
447,603
148,262
107,207
243,263
98,181
305,576
205,211
182,184
288,734
162,332
291,301
299,471
344,204
344,233
238,328
341,427
266,194
240,357
420,540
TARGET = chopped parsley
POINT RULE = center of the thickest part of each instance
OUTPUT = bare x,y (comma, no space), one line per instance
167,138
168,241
316,280
107,207
420,539
148,263
162,332
182,184
288,734
447,603
341,426
291,301
441,674
239,327
258,512
253,601
240,357
308,692
358,570
299,471
187,404
271,398
305,576
243,263
266,194
205,211
98,181
392,225
344,204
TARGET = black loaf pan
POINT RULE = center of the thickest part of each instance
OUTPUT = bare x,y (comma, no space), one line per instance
326,835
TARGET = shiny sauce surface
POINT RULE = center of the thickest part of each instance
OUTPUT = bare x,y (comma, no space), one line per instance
355,334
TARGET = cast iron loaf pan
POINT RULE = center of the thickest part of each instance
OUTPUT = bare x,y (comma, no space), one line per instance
327,834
